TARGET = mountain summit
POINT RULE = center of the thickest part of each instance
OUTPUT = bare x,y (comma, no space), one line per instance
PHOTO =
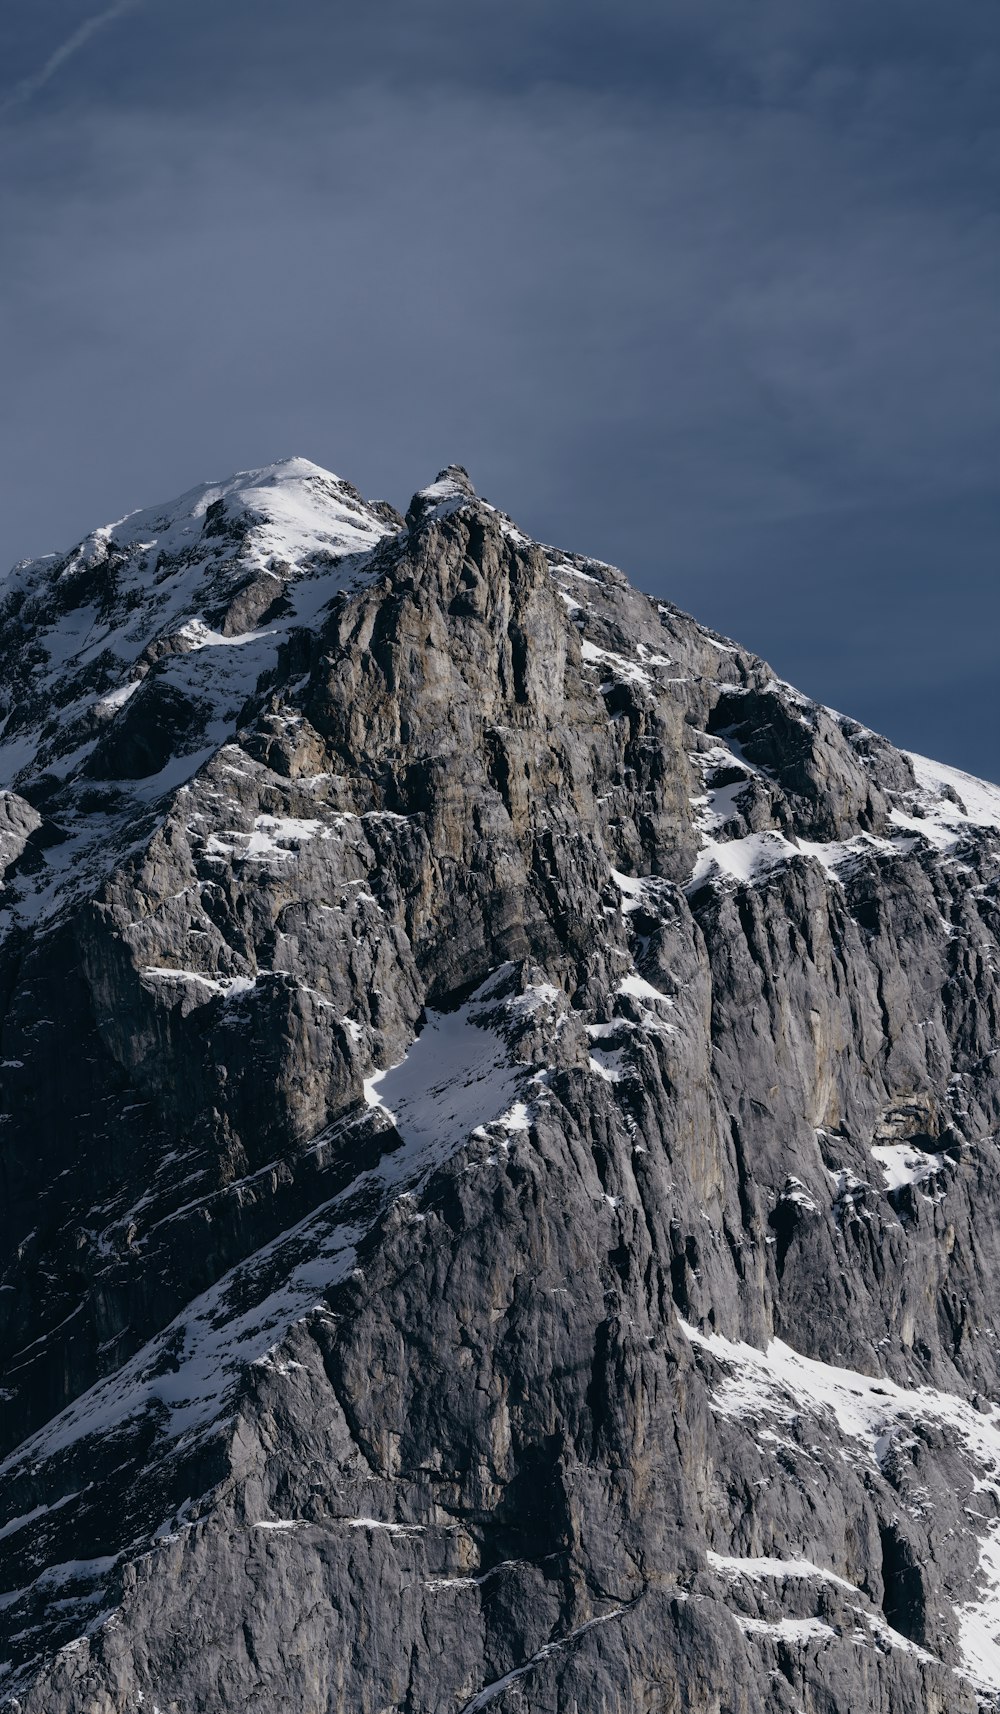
500,1107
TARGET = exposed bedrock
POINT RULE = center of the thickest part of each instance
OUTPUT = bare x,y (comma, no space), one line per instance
499,1152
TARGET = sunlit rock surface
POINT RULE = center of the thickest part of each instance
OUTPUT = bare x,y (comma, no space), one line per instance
499,1142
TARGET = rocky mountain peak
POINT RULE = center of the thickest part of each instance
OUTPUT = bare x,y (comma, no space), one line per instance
451,488
127,661
499,1110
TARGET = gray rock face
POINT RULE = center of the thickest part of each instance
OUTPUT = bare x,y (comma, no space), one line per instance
500,1108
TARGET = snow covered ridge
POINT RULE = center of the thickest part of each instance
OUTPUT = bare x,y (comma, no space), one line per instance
293,509
950,802
128,660
195,574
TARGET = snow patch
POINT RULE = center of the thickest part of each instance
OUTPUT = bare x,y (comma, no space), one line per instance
979,1620
902,1164
979,800
632,890
617,665
766,1567
742,860
456,1076
757,855
380,1524
116,699
787,1630
780,1382
639,989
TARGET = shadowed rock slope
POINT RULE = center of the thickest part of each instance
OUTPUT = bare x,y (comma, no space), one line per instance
500,1103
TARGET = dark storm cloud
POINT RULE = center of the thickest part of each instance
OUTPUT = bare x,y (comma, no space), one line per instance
708,289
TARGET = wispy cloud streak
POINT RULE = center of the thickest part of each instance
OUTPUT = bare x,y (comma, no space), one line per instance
29,87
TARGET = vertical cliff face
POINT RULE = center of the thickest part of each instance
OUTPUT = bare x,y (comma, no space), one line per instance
499,1147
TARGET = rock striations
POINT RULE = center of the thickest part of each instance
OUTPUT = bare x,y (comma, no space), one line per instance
500,1108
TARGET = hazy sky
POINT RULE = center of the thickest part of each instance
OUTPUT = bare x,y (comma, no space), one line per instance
709,288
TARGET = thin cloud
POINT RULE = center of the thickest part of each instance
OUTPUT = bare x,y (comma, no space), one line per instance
29,87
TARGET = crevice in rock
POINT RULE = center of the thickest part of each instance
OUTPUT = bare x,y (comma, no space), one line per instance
903,1599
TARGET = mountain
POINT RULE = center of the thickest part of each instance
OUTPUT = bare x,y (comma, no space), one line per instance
500,1109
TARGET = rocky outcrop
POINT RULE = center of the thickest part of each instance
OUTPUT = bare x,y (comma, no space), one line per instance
500,1110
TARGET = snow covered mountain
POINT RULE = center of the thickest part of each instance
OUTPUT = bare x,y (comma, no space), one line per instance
500,1110
127,661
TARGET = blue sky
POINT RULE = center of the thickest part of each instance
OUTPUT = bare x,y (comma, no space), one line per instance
706,288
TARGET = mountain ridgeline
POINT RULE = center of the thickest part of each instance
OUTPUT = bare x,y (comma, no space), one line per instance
499,1118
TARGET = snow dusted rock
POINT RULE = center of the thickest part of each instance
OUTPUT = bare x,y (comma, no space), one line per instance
18,821
500,1101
